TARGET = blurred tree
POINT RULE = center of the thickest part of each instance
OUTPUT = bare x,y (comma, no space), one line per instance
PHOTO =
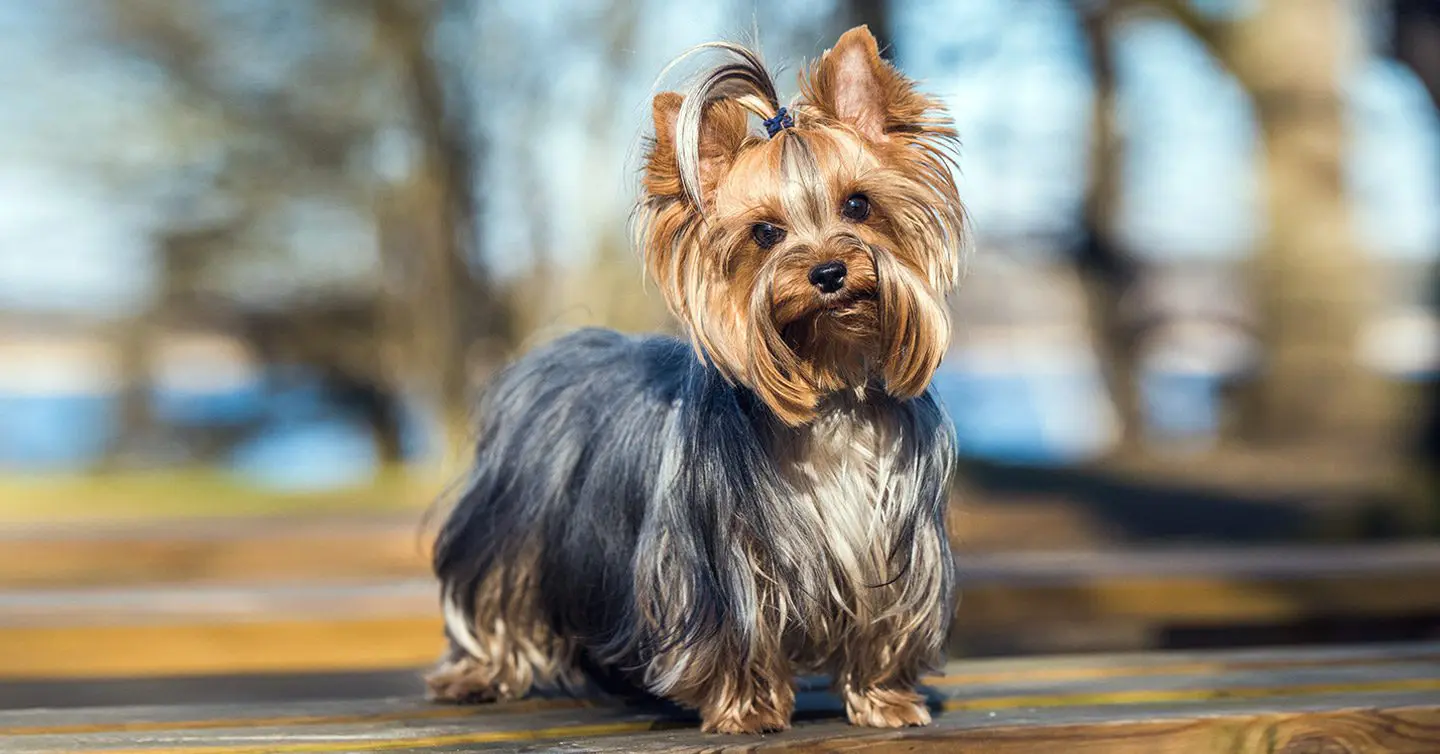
1108,271
612,290
303,112
453,312
278,141
1416,43
183,255
1312,283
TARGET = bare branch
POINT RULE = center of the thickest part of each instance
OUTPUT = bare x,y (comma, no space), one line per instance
1216,36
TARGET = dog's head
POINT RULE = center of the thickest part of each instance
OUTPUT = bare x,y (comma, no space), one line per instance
816,257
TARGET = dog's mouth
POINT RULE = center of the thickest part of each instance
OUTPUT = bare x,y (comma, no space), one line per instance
842,316
845,301
849,308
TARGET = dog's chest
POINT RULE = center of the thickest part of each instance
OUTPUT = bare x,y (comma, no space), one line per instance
839,474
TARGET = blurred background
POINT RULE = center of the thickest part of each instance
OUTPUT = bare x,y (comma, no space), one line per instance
256,257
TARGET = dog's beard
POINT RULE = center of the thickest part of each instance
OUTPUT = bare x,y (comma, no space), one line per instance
839,343
891,328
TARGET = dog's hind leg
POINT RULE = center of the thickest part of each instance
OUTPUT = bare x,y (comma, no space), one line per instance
507,650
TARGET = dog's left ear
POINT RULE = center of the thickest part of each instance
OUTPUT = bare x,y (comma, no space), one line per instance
852,84
723,130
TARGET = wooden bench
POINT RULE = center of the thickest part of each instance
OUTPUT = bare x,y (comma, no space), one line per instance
392,625
274,549
1353,699
1010,603
245,550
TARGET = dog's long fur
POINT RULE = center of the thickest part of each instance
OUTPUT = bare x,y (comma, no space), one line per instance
702,520
660,520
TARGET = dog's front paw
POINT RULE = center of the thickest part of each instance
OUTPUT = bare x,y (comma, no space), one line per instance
886,708
754,720
764,712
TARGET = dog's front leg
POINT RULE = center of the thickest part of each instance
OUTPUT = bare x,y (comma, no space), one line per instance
878,682
758,699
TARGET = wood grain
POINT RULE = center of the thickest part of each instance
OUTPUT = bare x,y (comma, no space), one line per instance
214,552
238,647
1362,699
1413,730
274,625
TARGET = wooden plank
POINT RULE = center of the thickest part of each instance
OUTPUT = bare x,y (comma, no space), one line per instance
289,686
280,550
1398,724
1255,562
296,685
221,688
323,627
410,598
294,646
1369,698
1404,730
1251,583
1200,585
277,549
269,550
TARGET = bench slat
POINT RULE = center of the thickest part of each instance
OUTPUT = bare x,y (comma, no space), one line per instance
391,625
1225,701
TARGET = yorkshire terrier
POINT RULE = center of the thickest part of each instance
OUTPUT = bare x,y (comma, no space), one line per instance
701,521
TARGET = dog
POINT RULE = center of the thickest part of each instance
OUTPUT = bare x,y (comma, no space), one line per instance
700,520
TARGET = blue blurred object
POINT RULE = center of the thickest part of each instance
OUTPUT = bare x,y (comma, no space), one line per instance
300,440
1005,417
303,442
1181,407
55,432
315,454
190,408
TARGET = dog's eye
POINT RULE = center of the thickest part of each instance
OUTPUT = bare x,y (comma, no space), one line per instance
856,208
766,235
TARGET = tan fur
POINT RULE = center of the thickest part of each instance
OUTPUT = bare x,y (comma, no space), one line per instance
509,649
755,696
885,707
861,127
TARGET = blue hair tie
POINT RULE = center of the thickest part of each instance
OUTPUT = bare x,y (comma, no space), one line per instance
781,121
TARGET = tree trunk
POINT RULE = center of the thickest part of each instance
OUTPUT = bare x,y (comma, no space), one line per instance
135,341
1312,283
453,309
1107,271
1417,44
182,255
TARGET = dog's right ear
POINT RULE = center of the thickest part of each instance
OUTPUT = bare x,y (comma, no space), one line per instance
724,126
851,83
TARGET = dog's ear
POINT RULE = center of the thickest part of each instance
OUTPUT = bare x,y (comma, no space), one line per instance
724,126
853,85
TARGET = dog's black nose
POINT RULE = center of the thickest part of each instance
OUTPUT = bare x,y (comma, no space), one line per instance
828,276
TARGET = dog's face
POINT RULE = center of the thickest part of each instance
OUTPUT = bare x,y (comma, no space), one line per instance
817,260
